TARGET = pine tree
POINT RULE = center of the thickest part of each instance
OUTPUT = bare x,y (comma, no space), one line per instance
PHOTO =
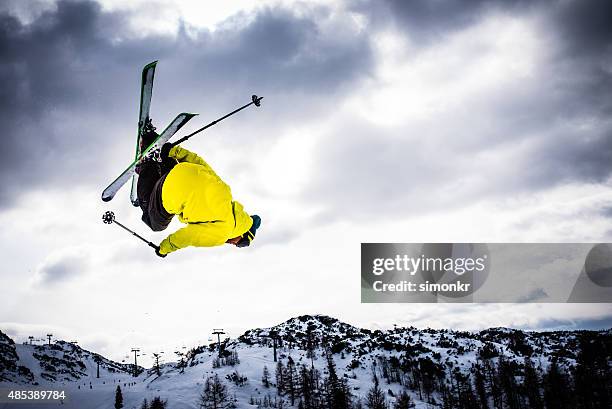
556,388
157,403
493,383
531,386
376,398
507,378
403,401
214,395
310,344
145,404
118,398
448,401
290,380
337,391
280,378
416,380
593,374
310,387
306,388
265,378
464,394
182,363
428,372
481,388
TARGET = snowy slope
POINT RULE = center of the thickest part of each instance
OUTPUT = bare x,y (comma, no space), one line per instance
61,362
355,351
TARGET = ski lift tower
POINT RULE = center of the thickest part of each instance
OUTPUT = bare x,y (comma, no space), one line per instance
218,332
274,335
135,351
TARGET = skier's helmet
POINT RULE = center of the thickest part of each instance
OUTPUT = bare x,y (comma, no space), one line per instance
249,236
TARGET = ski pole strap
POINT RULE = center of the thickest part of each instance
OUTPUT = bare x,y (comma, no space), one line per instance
254,100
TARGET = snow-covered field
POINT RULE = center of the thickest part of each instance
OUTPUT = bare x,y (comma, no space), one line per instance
355,352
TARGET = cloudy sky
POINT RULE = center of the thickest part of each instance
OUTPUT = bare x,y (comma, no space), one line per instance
383,121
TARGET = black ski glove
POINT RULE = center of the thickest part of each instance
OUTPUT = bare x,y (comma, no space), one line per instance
158,253
165,151
167,162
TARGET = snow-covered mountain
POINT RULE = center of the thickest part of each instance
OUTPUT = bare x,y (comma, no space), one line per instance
319,356
60,362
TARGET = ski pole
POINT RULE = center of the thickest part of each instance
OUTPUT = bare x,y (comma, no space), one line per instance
254,100
109,218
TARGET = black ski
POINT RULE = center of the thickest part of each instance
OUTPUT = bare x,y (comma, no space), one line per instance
174,126
146,92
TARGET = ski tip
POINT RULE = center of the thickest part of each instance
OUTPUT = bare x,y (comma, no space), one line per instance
149,65
106,198
186,115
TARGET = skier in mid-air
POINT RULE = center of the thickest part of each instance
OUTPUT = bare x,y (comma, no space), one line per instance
182,183
173,181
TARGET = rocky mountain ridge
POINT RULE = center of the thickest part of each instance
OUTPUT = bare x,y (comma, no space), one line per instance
326,357
58,362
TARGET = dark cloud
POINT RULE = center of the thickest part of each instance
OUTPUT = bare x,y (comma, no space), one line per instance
584,156
585,26
428,21
594,324
607,212
366,171
60,268
536,295
58,96
70,82
552,129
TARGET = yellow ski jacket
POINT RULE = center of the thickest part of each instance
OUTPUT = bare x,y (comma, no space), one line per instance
193,191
